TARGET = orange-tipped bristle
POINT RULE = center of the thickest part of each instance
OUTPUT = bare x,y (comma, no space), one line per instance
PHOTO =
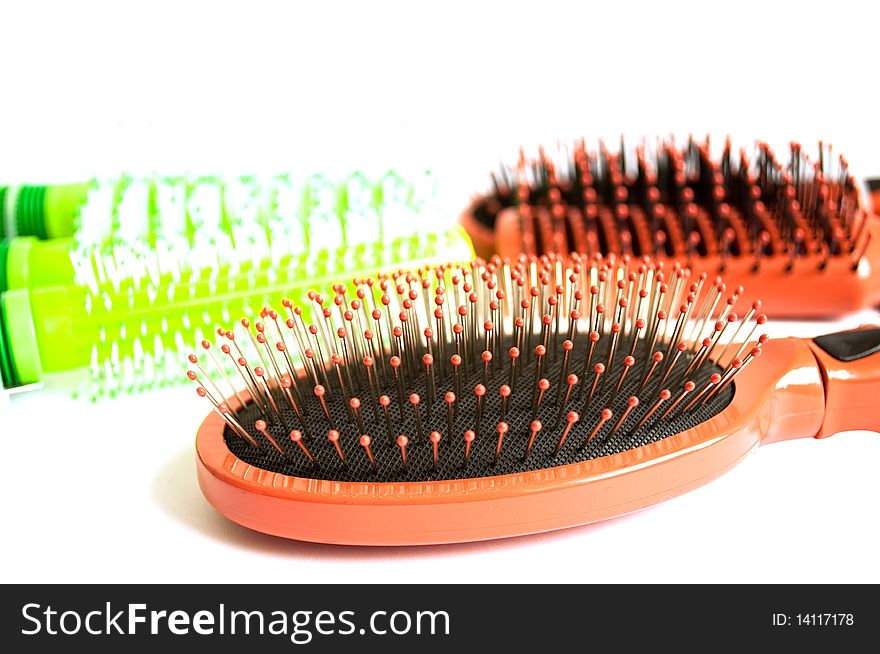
486,368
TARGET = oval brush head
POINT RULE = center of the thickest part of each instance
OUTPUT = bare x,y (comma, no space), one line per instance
797,226
411,394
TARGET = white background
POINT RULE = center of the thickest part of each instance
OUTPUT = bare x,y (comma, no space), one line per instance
107,492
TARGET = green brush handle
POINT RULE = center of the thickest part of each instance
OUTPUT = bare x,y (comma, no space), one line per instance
136,337
41,211
27,262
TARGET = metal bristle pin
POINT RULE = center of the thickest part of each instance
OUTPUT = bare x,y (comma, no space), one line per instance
471,370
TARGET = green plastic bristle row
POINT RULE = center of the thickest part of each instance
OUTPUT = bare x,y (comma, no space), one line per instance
132,227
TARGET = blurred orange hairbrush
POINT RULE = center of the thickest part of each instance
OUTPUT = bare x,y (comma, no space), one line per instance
796,232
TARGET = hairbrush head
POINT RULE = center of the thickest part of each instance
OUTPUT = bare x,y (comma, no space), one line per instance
797,226
516,415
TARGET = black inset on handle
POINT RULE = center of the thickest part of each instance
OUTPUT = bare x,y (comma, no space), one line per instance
852,345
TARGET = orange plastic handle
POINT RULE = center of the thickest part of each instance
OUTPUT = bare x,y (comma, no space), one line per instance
875,201
850,367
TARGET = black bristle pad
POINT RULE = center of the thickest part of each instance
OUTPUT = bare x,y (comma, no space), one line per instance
452,446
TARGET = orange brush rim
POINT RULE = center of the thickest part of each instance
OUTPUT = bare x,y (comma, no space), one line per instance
780,396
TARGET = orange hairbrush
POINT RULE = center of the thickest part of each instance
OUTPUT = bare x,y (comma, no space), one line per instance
460,403
795,232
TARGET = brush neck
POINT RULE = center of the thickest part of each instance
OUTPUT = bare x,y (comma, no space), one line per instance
850,366
794,407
